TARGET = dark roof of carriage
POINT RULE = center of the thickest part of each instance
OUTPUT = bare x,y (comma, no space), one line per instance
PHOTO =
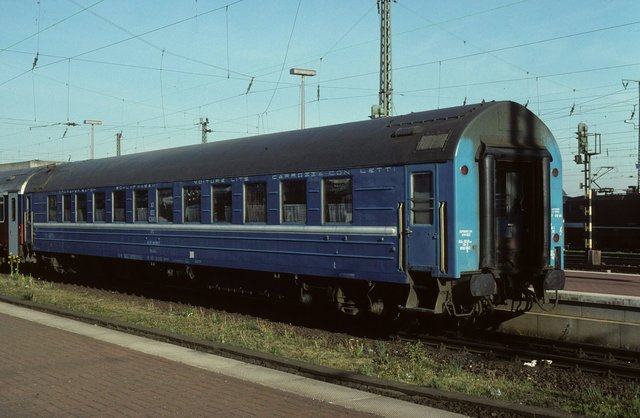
412,138
12,180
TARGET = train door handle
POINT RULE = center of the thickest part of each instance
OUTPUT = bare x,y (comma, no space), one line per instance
408,231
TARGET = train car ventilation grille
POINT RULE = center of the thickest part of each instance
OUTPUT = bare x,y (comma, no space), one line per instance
407,131
432,142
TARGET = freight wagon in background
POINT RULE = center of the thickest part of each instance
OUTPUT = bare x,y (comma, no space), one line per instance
450,211
615,222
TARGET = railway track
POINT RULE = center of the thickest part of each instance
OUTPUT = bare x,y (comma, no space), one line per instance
537,352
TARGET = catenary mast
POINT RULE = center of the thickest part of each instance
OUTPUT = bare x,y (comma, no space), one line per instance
386,102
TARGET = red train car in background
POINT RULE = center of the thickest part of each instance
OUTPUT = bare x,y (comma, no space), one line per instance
13,221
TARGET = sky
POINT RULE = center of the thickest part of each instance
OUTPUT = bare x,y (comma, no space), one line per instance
153,70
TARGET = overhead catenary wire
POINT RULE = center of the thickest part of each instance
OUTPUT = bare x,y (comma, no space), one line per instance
226,23
409,66
164,118
39,31
284,60
140,36
551,101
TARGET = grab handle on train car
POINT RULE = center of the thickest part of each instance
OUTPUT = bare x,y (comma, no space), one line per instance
443,237
401,233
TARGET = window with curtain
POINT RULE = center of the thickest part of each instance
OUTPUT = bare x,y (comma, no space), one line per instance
338,200
119,207
141,206
98,207
66,208
191,199
81,207
294,201
165,205
255,210
52,208
221,204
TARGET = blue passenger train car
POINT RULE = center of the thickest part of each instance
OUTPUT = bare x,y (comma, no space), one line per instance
445,211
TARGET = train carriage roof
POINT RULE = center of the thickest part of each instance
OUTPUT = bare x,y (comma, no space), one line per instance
412,138
15,179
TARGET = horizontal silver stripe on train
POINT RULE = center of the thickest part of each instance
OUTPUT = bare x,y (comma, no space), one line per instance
289,229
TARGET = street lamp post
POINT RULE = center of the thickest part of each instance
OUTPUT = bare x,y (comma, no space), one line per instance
302,73
93,123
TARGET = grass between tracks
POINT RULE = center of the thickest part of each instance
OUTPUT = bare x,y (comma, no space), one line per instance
392,360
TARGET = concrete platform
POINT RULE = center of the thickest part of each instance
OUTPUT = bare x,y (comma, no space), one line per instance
595,318
52,366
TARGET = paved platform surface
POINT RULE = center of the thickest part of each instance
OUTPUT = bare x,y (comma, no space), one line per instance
603,283
55,367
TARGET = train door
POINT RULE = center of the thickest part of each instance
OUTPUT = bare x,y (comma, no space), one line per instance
421,231
13,220
4,229
514,214
520,246
28,221
511,213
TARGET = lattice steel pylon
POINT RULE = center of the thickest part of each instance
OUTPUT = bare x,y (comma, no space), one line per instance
204,123
386,90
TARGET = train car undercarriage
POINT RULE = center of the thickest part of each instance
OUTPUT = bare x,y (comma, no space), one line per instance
471,297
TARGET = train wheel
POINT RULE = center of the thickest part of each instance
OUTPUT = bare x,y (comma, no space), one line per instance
345,302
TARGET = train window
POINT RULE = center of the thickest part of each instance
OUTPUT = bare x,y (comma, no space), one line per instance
255,202
2,209
14,209
141,206
191,196
52,208
422,201
119,208
66,208
98,207
221,204
509,198
338,200
165,205
294,201
81,207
